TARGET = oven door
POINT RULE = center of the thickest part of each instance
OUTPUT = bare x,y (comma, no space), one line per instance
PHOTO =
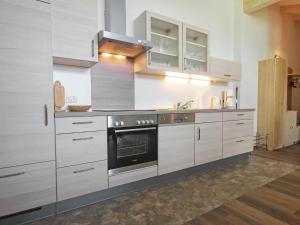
131,146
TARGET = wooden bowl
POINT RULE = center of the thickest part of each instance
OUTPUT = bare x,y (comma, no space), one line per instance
79,108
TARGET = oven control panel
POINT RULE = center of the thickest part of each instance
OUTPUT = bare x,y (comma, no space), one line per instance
131,120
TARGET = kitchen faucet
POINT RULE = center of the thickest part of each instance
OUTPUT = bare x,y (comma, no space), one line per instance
184,105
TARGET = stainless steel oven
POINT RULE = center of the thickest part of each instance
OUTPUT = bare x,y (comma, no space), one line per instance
132,142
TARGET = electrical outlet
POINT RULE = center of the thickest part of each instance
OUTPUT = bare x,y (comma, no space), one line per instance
71,99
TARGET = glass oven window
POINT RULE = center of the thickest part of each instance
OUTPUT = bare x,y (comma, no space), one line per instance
129,145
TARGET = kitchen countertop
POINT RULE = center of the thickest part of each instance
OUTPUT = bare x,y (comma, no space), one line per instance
138,112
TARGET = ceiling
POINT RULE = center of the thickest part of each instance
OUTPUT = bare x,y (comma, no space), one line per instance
291,7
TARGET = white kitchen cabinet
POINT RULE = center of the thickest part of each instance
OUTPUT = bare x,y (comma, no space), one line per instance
69,125
166,37
237,146
74,27
291,130
26,187
81,179
208,117
26,92
208,142
240,115
78,148
239,128
195,50
175,148
225,69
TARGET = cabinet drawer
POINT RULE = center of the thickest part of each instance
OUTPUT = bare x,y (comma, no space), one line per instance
27,187
248,115
83,179
208,117
80,124
131,176
235,129
79,148
237,146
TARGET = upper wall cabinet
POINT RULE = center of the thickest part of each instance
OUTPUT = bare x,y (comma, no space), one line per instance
195,50
166,37
74,27
177,47
225,69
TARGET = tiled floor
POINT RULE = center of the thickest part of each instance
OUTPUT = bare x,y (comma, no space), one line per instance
179,201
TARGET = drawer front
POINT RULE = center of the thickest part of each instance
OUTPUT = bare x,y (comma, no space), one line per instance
80,124
208,117
175,148
83,179
208,142
79,148
27,187
248,115
131,176
237,146
235,129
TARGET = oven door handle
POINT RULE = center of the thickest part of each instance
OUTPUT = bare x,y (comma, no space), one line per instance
137,129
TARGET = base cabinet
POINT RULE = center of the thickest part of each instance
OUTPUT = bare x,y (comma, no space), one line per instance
208,142
27,187
237,146
175,148
83,179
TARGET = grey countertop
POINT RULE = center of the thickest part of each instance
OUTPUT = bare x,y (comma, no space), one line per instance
135,112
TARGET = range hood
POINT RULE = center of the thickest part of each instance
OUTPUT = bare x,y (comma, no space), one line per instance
113,39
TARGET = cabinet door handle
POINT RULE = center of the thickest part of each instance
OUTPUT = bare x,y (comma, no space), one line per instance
93,48
46,115
227,75
199,134
184,62
83,139
149,58
241,114
240,123
84,170
240,141
82,123
12,175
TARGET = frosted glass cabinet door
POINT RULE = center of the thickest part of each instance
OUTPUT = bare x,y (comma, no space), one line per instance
195,50
166,37
26,92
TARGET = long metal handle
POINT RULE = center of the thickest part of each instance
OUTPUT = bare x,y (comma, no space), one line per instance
46,115
93,48
240,123
199,134
83,139
12,175
240,114
240,141
84,170
132,130
184,62
227,75
81,123
149,58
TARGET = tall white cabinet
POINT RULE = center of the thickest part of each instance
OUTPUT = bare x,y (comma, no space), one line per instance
74,27
27,168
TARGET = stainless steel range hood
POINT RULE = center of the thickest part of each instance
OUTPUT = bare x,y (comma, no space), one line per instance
114,39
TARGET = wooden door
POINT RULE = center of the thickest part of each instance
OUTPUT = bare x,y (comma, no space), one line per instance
26,96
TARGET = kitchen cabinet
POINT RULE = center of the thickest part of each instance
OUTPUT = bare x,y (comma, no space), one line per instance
26,93
272,100
237,133
27,187
81,179
74,27
208,142
166,37
225,69
291,131
195,50
175,148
